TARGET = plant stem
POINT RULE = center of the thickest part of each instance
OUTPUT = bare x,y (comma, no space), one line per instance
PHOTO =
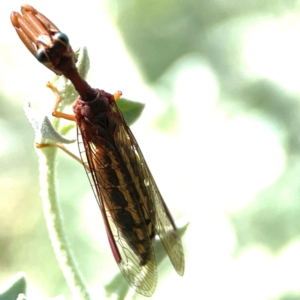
55,226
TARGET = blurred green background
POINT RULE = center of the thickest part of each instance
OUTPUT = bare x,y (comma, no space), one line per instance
220,132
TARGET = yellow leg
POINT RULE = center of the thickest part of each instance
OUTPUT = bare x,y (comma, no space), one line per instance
55,113
59,114
117,95
62,147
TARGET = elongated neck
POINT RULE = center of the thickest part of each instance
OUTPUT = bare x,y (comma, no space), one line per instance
82,87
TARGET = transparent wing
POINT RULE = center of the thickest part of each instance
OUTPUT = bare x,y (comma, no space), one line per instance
150,196
142,276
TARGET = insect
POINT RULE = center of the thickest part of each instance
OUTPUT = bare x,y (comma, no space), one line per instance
131,205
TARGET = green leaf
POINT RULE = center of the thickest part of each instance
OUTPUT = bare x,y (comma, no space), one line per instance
130,110
14,287
43,127
83,63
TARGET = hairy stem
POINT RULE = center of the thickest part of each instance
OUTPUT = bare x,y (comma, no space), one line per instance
55,226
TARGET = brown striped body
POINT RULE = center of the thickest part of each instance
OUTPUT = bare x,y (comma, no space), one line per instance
131,205
124,192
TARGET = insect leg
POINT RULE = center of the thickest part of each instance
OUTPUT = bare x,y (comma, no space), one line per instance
59,114
55,113
62,147
117,95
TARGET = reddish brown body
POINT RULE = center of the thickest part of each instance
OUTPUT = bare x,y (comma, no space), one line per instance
125,205
132,207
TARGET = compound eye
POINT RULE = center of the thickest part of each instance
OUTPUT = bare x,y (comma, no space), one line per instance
41,56
59,36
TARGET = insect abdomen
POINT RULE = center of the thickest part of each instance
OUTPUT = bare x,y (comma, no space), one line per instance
121,204
120,195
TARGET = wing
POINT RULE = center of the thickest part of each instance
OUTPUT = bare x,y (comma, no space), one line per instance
161,218
133,250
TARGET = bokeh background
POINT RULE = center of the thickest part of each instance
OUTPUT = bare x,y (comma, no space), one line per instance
220,131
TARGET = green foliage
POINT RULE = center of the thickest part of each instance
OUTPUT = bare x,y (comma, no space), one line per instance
15,287
130,110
